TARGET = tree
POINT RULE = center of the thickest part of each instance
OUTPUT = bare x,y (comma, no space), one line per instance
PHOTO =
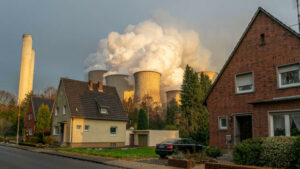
194,117
133,118
50,92
6,98
43,119
143,120
4,127
172,111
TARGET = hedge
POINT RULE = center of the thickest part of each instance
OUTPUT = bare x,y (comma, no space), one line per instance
279,152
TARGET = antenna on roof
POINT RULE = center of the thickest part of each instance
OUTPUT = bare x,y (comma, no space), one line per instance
297,1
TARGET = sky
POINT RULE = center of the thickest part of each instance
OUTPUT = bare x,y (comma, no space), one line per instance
66,32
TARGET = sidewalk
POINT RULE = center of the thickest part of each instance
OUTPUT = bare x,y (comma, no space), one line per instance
106,161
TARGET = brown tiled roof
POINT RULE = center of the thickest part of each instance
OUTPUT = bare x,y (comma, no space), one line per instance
83,102
38,101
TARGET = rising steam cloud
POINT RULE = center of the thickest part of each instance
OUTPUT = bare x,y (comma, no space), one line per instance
161,45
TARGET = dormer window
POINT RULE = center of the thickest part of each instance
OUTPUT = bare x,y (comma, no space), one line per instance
103,110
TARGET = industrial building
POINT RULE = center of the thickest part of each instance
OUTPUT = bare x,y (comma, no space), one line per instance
27,68
96,75
121,83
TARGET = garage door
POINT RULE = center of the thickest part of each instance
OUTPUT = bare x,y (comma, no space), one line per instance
143,140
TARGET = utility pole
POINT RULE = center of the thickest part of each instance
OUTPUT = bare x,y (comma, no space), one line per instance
297,1
17,141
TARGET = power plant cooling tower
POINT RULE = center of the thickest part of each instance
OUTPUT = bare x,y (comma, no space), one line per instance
173,94
120,82
212,75
96,75
147,83
27,68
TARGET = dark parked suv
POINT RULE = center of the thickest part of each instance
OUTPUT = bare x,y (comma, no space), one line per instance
179,145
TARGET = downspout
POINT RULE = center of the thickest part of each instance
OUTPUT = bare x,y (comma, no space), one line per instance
71,131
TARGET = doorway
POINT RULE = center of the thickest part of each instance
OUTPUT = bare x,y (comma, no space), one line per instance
131,140
62,132
243,127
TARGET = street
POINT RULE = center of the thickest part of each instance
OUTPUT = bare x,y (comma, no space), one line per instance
13,158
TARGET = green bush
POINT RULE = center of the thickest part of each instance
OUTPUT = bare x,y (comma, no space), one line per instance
248,152
35,139
277,151
170,127
296,153
212,152
49,140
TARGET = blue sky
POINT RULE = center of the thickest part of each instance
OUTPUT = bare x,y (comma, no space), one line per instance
65,32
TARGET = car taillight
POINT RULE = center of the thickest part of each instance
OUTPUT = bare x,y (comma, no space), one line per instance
170,147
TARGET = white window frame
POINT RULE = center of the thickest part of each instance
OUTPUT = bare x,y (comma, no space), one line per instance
56,111
30,131
286,114
86,126
80,127
279,76
64,110
29,116
54,131
103,108
220,123
236,83
113,134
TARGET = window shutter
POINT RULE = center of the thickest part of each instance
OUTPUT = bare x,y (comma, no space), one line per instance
289,68
245,79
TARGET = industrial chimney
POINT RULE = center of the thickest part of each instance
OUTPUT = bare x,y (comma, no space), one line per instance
96,75
120,82
27,68
147,83
173,94
212,75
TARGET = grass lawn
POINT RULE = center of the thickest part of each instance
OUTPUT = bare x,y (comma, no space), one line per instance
117,153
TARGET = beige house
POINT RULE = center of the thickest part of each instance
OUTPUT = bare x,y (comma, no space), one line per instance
88,115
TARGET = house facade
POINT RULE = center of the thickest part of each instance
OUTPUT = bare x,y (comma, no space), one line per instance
32,112
88,115
257,93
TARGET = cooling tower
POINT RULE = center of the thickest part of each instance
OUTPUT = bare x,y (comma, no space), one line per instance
27,68
96,75
120,82
147,83
212,75
173,94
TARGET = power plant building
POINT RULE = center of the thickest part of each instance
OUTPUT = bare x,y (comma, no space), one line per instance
96,75
173,94
121,83
27,68
147,83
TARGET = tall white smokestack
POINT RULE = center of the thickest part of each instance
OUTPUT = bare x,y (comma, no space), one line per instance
27,68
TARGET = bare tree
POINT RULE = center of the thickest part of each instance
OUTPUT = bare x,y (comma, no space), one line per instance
6,98
50,92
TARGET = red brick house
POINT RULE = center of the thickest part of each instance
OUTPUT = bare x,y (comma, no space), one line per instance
31,114
257,93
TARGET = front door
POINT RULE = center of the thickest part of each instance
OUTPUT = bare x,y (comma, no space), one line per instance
131,139
243,128
62,132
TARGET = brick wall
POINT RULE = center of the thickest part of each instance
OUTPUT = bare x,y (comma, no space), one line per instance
29,123
281,47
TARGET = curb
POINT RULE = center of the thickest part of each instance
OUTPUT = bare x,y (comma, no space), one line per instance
63,155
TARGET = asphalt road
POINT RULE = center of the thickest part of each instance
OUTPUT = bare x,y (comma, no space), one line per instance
13,158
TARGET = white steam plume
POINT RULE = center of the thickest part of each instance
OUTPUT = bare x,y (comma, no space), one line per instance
160,45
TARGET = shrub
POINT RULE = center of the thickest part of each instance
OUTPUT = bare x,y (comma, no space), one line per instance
49,140
35,139
296,153
277,151
170,127
247,152
212,152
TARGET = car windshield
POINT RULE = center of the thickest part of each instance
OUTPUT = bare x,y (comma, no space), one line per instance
169,141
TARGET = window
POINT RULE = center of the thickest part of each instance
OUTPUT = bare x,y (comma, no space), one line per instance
113,131
30,131
56,130
244,83
223,123
104,110
29,117
289,75
262,38
285,124
78,127
86,128
64,110
56,111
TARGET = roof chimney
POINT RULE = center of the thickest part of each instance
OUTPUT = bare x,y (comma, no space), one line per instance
100,86
91,85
